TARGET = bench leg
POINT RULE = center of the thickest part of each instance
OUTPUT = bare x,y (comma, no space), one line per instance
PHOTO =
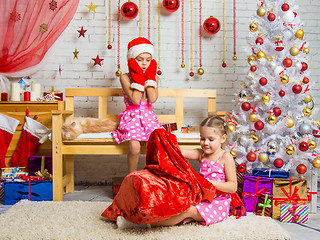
57,186
69,172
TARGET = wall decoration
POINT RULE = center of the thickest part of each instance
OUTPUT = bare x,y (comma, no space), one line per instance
159,72
200,69
129,10
118,72
234,32
109,46
91,7
224,34
171,5
82,32
183,65
191,73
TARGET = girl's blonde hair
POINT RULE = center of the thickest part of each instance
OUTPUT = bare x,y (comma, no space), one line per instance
215,122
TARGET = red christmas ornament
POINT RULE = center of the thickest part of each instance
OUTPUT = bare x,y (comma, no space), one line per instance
171,5
278,163
305,80
191,74
97,60
303,146
251,156
159,72
301,169
253,68
224,65
285,7
279,45
271,17
109,47
296,89
282,93
259,41
82,32
316,133
259,125
287,62
211,25
304,66
241,167
245,106
277,111
129,10
263,81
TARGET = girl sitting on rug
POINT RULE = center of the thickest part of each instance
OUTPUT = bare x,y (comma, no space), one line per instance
217,166
140,91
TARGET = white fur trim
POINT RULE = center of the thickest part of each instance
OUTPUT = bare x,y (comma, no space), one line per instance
33,127
8,124
136,50
137,87
150,83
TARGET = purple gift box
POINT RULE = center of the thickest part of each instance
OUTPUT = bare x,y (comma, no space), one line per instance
252,187
34,164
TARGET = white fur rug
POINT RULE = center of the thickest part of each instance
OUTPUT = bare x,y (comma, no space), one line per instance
81,220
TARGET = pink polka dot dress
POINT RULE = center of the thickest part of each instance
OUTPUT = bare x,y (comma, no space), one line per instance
218,209
137,122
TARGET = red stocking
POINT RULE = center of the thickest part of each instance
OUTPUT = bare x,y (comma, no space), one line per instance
7,127
29,142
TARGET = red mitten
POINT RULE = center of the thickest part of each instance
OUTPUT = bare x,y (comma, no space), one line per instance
136,74
150,75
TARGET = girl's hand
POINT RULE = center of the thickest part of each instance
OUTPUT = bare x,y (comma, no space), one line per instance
150,75
136,74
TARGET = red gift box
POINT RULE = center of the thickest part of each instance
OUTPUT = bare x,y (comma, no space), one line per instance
170,126
53,95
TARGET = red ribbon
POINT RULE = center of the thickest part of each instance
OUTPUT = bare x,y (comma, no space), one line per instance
29,179
307,89
295,215
302,46
255,194
288,25
309,194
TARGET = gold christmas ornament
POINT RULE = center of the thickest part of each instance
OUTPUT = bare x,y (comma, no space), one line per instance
261,11
261,54
306,50
234,58
118,73
294,51
200,71
265,98
182,65
290,150
316,162
284,78
253,27
233,153
312,144
231,128
271,119
307,112
299,33
289,123
269,59
253,117
251,59
263,157
308,98
254,137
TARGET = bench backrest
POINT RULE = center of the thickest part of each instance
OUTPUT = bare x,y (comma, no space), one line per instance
178,94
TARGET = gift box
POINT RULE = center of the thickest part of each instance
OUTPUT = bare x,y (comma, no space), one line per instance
12,173
33,190
53,95
264,205
1,191
252,187
287,191
264,172
40,166
294,213
170,127
312,186
240,179
190,129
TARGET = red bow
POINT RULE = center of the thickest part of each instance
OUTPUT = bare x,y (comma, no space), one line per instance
295,215
29,179
256,194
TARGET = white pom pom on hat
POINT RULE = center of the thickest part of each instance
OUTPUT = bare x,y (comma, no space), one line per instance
139,45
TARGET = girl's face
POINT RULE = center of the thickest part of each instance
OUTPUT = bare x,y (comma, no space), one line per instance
211,139
144,60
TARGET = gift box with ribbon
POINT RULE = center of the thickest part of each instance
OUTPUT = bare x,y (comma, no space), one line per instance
263,172
12,173
252,188
264,205
190,129
312,186
53,95
170,127
40,166
294,213
287,191
1,191
240,179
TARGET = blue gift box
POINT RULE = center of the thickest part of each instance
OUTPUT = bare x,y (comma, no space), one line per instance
265,172
16,191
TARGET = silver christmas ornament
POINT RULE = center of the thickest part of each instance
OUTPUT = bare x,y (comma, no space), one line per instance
243,140
272,147
305,128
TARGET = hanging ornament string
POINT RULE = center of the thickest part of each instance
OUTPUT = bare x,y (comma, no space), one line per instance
118,72
224,35
191,74
200,70
182,34
159,43
234,32
109,26
149,19
139,18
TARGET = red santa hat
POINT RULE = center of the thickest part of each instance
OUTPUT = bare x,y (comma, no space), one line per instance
139,45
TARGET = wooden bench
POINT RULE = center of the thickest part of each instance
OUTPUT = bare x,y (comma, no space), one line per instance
64,150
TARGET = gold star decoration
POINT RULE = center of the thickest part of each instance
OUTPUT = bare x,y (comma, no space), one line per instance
75,53
43,28
91,7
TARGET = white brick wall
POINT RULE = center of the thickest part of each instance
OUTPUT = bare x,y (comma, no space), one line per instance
81,73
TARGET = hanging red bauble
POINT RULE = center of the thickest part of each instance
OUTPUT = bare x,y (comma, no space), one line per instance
259,125
263,81
296,88
305,80
109,47
303,146
241,167
224,65
301,169
277,111
285,7
279,45
245,106
191,74
316,133
282,93
304,66
253,68
171,5
287,62
271,17
278,163
159,72
129,10
211,25
259,41
251,156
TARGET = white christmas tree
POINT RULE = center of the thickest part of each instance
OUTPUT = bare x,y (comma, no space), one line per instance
272,125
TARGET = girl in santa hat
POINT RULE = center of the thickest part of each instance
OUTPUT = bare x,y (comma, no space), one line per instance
140,91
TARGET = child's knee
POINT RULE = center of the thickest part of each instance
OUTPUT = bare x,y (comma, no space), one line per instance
134,147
